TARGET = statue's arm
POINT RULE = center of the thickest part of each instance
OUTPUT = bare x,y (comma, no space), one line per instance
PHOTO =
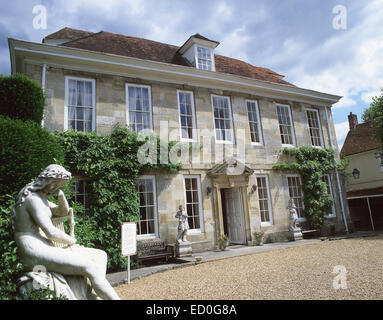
62,208
41,216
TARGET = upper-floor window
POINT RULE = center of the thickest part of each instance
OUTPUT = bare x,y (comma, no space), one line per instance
254,122
314,127
81,195
80,104
139,107
187,116
285,125
222,119
204,59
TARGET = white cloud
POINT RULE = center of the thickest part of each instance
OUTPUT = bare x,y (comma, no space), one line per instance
341,130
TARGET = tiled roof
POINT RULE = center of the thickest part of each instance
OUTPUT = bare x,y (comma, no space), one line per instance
123,45
360,140
68,33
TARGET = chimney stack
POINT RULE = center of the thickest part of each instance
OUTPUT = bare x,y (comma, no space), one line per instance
352,120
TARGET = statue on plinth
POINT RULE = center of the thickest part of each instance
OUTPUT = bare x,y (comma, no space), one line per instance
183,225
64,268
294,229
183,247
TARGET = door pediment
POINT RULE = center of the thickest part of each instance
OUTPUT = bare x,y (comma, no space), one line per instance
231,167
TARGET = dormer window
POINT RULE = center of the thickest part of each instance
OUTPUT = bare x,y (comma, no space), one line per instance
204,59
199,51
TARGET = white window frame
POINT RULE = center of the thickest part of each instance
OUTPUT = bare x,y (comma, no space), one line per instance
291,124
212,60
320,127
127,85
231,120
194,129
201,219
260,143
302,218
331,194
156,234
271,221
66,108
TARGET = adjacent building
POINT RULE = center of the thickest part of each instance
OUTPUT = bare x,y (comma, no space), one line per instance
242,115
365,184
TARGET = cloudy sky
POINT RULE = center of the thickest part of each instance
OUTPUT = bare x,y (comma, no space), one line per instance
311,42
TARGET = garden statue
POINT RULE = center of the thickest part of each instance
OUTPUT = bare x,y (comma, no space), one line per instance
183,225
183,246
294,229
51,256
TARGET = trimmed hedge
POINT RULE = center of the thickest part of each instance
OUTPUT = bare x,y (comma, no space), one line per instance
26,150
21,98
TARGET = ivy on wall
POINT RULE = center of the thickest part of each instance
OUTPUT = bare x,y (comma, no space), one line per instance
312,163
111,167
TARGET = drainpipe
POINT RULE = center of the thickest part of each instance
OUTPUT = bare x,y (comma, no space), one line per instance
337,174
43,77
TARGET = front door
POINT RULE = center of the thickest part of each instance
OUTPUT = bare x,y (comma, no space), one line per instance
235,225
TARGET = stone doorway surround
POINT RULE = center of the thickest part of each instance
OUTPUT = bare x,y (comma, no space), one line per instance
230,174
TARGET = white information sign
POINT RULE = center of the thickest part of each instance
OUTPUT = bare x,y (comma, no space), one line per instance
128,239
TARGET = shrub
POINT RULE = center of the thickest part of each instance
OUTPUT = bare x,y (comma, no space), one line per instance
21,98
25,150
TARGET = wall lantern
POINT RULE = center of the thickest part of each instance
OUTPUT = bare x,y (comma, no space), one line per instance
208,189
356,173
253,188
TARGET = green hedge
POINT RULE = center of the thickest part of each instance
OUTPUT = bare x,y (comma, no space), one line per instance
25,150
21,98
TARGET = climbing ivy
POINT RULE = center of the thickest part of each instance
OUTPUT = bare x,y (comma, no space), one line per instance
111,167
312,163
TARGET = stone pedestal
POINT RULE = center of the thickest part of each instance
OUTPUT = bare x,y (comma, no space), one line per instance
183,249
295,234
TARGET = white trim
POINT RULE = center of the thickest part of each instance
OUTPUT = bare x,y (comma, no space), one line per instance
194,129
271,221
277,87
156,234
320,126
260,143
201,216
93,81
128,84
232,141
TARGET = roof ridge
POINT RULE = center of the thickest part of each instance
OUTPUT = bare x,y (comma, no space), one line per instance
84,37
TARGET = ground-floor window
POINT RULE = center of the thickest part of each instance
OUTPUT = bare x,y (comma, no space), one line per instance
327,179
193,202
80,195
147,223
295,192
264,198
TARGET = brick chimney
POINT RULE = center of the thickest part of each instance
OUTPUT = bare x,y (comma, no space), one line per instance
352,120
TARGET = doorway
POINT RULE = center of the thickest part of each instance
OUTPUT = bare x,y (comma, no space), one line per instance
232,212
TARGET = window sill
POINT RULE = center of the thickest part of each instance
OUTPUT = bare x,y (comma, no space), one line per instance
224,142
288,146
146,236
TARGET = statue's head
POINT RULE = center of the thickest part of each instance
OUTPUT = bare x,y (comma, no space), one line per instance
181,207
53,178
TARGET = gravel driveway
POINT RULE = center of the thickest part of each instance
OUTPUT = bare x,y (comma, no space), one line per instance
302,272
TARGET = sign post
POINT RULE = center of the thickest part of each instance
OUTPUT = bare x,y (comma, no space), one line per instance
128,243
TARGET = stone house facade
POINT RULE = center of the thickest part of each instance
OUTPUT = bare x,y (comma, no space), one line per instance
241,115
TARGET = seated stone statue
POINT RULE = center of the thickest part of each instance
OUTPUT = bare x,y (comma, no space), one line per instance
32,214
